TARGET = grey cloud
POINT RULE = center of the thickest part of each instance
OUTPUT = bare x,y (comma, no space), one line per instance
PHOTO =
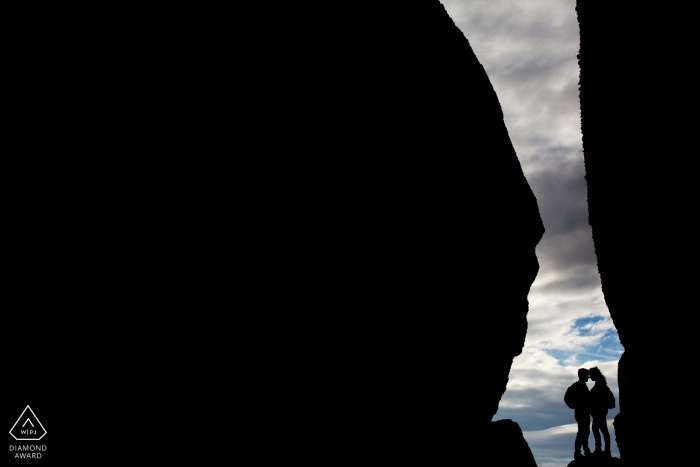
536,70
581,279
567,250
536,21
561,192
529,52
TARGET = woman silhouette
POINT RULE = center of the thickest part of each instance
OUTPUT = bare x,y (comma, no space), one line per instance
599,410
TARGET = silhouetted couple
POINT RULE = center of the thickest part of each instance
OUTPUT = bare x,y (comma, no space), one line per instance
593,403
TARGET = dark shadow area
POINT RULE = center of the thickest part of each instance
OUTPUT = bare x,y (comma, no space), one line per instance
324,207
596,461
506,446
415,230
638,140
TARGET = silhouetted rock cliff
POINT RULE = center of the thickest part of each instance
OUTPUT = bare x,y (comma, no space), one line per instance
416,229
340,180
392,230
635,95
398,226
505,446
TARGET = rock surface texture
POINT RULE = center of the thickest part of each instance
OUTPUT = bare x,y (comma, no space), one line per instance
636,141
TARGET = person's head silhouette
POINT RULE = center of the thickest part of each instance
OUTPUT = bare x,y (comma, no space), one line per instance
583,374
596,375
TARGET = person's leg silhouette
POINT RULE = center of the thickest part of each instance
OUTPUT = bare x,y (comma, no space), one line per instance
600,426
596,434
583,420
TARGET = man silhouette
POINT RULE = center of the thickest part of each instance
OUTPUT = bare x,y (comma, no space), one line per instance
577,397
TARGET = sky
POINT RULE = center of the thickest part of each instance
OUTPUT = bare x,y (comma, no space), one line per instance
529,49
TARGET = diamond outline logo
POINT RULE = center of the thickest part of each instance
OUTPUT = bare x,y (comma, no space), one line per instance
35,418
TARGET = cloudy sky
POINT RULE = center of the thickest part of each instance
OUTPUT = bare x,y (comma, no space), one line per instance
528,49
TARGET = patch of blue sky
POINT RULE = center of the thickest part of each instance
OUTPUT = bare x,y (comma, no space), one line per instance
583,325
611,343
607,351
568,358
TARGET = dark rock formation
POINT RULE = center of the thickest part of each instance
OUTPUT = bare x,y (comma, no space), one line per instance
597,461
338,177
417,230
636,139
506,446
396,214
